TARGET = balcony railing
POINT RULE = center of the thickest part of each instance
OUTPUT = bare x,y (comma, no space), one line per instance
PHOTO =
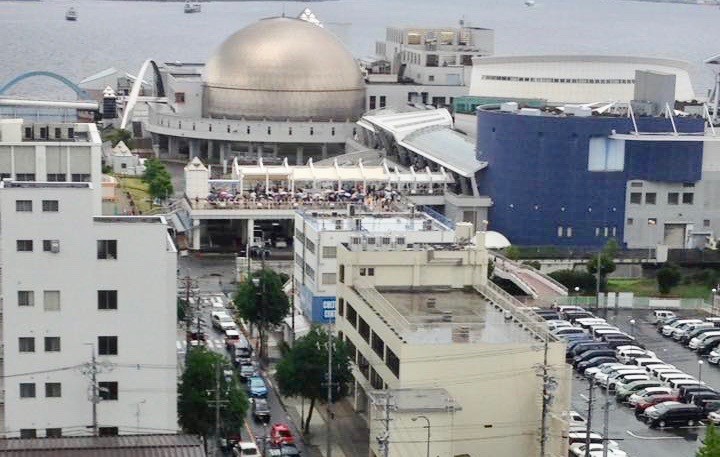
384,309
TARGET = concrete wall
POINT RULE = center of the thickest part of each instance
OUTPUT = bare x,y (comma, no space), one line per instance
144,322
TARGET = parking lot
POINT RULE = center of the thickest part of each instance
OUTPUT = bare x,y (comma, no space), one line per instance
633,436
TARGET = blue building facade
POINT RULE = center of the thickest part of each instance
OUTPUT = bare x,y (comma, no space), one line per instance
320,309
560,181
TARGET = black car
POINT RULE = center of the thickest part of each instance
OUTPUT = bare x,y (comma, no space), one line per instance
617,342
686,392
572,316
587,346
707,346
685,339
260,410
587,355
548,315
700,398
595,361
662,323
289,450
247,370
674,415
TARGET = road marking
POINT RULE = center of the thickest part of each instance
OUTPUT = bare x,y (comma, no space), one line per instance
656,437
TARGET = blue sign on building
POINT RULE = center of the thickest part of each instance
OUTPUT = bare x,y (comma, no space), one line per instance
320,309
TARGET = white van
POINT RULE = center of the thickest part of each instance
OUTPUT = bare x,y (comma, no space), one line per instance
695,342
660,314
678,383
645,361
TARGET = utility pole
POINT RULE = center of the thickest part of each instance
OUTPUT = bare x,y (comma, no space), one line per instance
606,425
292,307
187,283
329,392
591,389
597,282
91,370
217,402
545,399
386,447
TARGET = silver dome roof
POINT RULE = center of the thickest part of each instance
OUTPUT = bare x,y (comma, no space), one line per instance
282,68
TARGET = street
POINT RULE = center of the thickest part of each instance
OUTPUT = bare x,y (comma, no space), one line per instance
638,440
215,275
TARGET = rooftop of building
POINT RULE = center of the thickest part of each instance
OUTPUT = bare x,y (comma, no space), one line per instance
105,446
131,219
417,400
8,184
442,316
362,223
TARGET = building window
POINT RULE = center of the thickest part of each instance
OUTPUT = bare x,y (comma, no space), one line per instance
28,432
107,249
26,343
614,231
630,221
332,131
310,246
50,206
636,184
27,390
26,298
28,133
51,246
179,97
56,177
108,390
393,362
688,198
688,184
376,380
650,198
706,222
636,198
560,231
53,432
652,221
107,345
51,300
53,390
597,231
247,130
209,127
673,198
107,299
363,272
108,431
24,245
80,177
341,307
329,278
52,344
312,131
372,102
25,176
431,78
371,271
58,132
569,232
351,315
378,345
341,271
383,100
364,329
44,133
329,252
269,130
23,206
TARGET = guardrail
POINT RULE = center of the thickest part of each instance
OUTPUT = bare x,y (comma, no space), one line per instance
522,315
533,270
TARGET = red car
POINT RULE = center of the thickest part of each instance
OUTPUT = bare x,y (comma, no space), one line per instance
280,434
645,403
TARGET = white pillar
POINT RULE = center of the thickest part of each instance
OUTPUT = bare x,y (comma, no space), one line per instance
194,148
222,153
210,147
196,234
299,155
324,151
250,231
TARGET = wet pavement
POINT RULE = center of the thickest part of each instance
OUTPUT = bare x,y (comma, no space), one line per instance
633,436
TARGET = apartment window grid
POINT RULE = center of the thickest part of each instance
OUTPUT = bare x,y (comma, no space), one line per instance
51,246
650,198
27,390
23,206
53,390
25,176
329,252
50,206
53,432
364,329
24,245
56,177
80,177
51,300
310,272
107,249
107,299
107,345
26,298
688,198
706,222
392,361
378,345
351,315
26,343
310,246
27,433
635,198
673,198
52,344
329,278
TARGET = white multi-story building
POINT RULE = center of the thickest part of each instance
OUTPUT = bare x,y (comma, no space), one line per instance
427,317
431,66
76,284
318,233
51,152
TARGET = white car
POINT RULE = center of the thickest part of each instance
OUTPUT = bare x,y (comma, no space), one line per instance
668,329
556,324
596,450
628,355
574,418
246,449
695,342
580,437
603,378
635,398
590,373
714,357
714,417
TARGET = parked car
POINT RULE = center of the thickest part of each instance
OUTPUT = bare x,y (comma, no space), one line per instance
714,356
595,438
621,375
647,393
700,329
698,340
257,387
231,337
247,370
246,449
260,410
623,391
673,414
595,361
562,331
285,450
652,400
281,434
708,345
686,392
660,314
596,450
628,355
587,346
668,329
661,323
591,372
574,418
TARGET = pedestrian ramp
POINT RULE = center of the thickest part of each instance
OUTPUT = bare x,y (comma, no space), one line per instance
211,343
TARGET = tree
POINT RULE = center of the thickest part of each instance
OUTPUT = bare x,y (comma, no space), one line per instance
263,304
668,277
196,394
512,252
114,136
302,371
158,179
711,443
152,168
572,279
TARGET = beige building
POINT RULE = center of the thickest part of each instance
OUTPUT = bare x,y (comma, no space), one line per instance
425,316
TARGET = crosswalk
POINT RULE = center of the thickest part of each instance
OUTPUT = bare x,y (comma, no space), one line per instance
211,343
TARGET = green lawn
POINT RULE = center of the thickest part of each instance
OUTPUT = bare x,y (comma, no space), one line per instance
648,288
138,191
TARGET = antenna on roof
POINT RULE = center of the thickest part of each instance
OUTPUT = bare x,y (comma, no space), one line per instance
283,9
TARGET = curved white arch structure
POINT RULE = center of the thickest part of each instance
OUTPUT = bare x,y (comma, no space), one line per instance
135,91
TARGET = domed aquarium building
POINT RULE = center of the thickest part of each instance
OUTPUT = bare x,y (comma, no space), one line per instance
281,87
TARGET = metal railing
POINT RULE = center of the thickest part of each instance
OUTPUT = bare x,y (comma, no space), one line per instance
384,309
520,314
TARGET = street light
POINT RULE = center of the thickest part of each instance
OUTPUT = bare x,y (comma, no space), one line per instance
632,327
700,364
651,223
712,300
427,453
577,292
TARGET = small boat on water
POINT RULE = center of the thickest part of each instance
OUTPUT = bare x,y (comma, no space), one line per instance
71,14
192,7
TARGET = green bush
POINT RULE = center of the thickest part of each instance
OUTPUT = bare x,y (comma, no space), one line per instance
572,279
668,277
532,263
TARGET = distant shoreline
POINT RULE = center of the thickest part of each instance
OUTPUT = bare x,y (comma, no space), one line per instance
685,2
